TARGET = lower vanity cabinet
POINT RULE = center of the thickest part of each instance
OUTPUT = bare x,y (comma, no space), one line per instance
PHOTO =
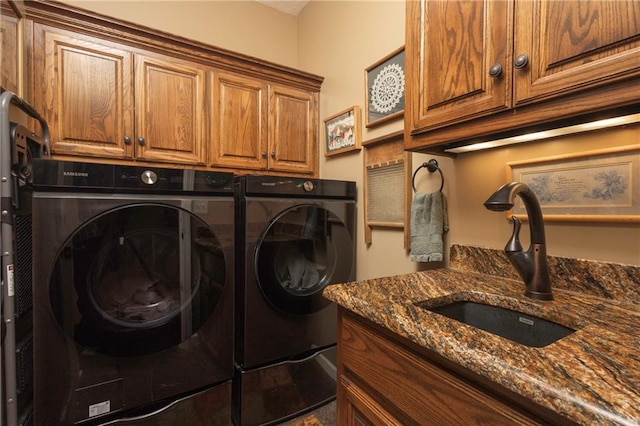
385,381
356,407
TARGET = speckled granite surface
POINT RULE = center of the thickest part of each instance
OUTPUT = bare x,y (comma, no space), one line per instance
591,376
608,280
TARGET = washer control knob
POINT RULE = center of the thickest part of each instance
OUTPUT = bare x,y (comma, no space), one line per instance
149,177
308,186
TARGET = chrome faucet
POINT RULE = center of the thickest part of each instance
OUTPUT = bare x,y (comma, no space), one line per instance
531,264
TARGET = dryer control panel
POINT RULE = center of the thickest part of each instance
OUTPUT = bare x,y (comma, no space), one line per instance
284,186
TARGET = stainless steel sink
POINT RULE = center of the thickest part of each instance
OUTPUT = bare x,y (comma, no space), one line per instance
513,325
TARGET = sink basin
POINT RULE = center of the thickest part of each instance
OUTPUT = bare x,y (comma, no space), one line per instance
513,325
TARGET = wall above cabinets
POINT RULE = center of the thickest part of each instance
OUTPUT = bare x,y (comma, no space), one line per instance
508,67
120,93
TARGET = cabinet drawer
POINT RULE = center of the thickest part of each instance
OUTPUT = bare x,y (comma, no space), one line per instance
361,409
410,385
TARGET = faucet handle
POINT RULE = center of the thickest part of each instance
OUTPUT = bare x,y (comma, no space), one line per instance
513,245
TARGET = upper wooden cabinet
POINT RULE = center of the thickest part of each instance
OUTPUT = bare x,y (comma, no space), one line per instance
479,68
240,126
171,110
293,119
84,88
116,92
102,99
11,45
449,69
261,126
573,45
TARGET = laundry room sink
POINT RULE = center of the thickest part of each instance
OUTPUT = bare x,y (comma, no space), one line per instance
516,326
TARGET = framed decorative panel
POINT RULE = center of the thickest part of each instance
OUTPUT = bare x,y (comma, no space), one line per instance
342,132
594,186
387,171
384,87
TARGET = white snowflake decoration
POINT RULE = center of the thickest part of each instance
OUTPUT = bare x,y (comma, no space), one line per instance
387,88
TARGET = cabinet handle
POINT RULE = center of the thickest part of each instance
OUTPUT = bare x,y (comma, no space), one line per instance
141,141
495,71
264,154
273,154
521,61
127,140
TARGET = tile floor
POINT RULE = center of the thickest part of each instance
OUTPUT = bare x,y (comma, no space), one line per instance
322,416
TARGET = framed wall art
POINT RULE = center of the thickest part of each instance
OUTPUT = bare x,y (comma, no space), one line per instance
384,88
594,186
342,132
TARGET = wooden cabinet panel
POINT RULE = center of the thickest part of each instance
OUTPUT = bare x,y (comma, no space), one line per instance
293,122
263,127
448,62
98,104
114,91
360,408
573,45
85,91
583,58
170,104
10,59
239,122
412,388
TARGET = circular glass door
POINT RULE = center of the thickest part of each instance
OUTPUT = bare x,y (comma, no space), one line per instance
301,251
137,279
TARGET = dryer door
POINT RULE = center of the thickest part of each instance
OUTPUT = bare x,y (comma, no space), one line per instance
137,279
301,251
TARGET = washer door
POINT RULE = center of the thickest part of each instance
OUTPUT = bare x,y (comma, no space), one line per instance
304,249
137,279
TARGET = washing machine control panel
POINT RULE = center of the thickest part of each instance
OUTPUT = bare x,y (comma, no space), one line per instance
56,175
149,177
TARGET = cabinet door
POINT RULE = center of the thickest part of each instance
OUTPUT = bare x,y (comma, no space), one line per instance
293,142
239,123
416,390
452,45
170,110
574,45
10,59
84,90
357,408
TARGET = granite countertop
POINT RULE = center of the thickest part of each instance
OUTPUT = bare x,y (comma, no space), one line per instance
591,376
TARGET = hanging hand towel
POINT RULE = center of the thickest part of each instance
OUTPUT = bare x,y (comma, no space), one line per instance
428,223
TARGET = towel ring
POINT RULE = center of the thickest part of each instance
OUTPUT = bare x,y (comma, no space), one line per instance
432,166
